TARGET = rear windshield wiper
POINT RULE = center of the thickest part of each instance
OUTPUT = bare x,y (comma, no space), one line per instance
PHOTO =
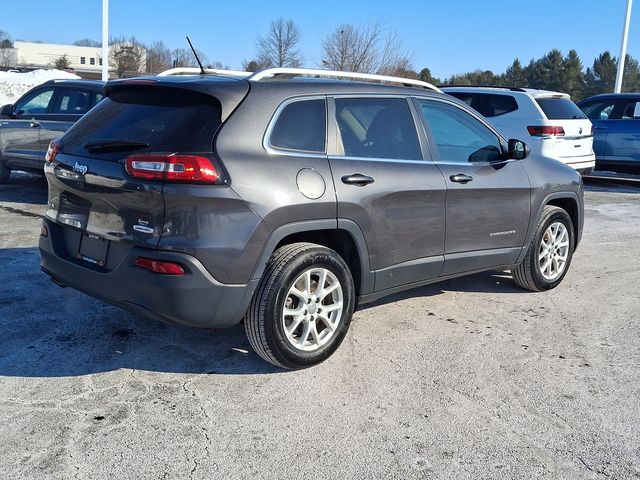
99,146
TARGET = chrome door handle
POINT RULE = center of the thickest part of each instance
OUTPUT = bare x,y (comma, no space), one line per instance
358,179
461,178
34,124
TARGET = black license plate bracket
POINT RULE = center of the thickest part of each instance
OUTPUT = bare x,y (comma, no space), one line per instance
93,249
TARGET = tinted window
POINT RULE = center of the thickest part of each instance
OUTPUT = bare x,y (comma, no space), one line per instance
559,108
168,120
302,126
599,110
630,109
377,128
459,137
488,104
70,101
35,102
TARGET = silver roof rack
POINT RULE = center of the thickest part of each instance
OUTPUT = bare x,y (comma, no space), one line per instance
211,71
298,72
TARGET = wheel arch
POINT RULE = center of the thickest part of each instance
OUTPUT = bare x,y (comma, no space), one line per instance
343,236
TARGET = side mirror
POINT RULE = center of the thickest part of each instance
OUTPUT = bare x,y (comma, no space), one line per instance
6,110
518,149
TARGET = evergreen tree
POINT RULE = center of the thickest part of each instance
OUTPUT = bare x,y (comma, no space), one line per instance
572,78
514,76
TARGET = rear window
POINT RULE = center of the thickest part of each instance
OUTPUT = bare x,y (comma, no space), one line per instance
560,108
169,120
488,104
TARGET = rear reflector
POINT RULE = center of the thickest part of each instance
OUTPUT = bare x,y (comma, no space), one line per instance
157,266
172,168
546,131
52,151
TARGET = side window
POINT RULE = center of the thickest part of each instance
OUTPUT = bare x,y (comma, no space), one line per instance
301,126
631,110
459,137
97,97
377,128
72,102
599,110
488,104
35,103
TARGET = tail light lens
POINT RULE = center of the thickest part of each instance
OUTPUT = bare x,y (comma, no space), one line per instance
157,266
546,131
52,151
173,168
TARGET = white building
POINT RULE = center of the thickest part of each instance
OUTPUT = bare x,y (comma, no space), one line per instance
84,60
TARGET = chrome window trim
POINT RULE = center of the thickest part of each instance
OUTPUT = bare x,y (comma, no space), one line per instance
266,139
374,159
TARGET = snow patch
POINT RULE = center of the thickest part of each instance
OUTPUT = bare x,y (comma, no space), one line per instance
14,85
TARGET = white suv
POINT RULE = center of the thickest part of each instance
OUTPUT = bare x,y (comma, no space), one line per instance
549,121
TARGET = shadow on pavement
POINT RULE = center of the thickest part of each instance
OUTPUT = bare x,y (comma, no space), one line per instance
48,331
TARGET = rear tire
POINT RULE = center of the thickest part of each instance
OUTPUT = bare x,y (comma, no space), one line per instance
302,308
550,253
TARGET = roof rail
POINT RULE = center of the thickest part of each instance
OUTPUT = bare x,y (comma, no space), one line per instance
196,71
286,73
513,89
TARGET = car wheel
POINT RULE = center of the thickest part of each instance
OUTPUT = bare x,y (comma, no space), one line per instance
550,252
4,173
302,308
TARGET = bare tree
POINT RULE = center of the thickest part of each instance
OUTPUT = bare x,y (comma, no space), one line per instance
280,47
8,57
87,42
184,57
365,48
252,65
127,56
158,57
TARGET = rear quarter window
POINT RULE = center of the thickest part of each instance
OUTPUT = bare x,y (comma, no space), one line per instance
488,104
169,120
301,126
560,108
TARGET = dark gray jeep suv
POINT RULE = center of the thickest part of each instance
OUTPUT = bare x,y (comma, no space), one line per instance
286,201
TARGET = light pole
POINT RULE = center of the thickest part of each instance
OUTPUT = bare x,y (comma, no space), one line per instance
623,48
105,40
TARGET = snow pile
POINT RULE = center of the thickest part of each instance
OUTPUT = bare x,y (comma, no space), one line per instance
14,85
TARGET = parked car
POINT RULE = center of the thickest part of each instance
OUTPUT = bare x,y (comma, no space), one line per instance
616,120
202,200
43,113
549,121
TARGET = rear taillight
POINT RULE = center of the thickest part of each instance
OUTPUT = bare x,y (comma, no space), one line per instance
52,151
546,131
157,266
172,168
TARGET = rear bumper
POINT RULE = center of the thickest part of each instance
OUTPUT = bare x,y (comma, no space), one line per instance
195,299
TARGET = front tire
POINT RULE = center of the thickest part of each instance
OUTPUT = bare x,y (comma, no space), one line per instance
302,308
550,253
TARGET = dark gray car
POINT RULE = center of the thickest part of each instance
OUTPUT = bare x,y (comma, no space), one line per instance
287,202
43,113
616,123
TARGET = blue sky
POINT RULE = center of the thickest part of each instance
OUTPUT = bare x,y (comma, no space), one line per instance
448,37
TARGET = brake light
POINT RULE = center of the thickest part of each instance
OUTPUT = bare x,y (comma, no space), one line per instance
52,151
546,131
172,168
157,266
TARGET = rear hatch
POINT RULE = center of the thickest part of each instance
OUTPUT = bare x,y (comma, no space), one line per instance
575,136
107,173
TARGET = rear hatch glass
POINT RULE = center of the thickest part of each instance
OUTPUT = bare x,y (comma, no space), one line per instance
149,119
89,189
560,108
